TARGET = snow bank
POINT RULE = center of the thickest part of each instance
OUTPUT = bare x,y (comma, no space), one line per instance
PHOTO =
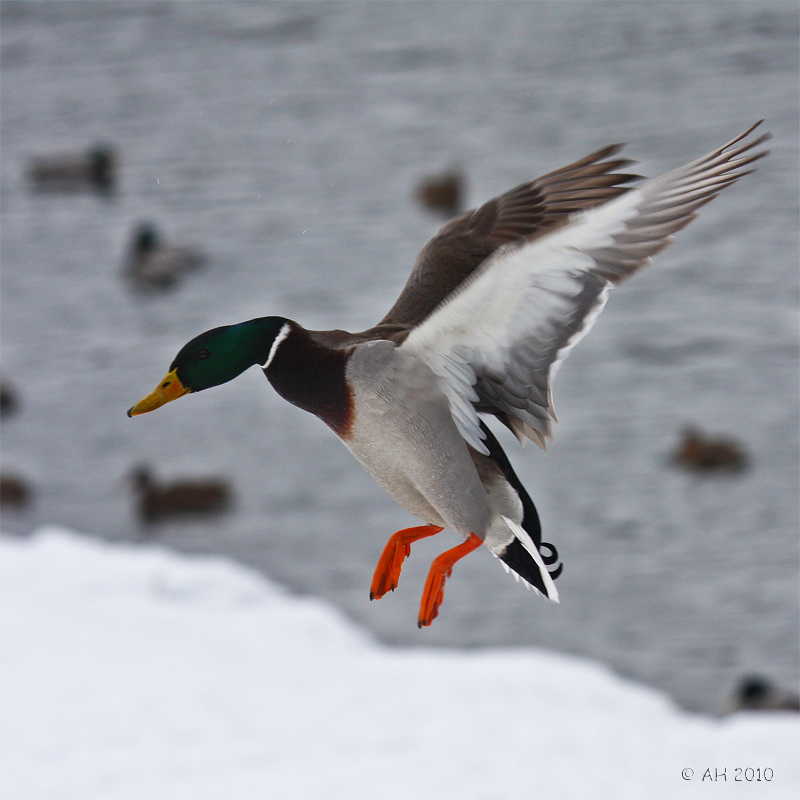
132,672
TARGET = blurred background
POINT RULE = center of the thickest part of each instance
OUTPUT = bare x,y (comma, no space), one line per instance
290,149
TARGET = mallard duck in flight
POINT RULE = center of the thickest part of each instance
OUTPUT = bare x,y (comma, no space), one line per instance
492,307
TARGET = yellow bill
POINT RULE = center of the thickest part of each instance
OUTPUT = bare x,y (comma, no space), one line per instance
168,390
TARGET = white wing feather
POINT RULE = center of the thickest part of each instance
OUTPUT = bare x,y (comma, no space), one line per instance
498,340
521,294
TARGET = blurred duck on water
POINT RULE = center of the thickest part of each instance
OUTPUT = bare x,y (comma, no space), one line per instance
9,401
443,193
94,170
197,497
15,493
153,265
701,453
757,693
492,307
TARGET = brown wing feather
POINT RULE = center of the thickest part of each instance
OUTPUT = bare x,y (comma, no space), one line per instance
525,212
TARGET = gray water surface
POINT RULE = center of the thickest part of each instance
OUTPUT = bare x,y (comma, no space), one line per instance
286,140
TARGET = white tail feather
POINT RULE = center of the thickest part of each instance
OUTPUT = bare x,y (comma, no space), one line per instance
527,543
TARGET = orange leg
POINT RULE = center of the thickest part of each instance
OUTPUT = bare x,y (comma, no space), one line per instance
440,571
387,573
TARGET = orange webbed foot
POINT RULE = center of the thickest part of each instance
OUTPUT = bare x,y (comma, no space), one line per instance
398,548
440,571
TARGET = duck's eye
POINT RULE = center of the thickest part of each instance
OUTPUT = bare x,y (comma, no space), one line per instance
203,354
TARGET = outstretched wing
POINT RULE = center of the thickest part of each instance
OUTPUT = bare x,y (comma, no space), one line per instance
526,211
497,341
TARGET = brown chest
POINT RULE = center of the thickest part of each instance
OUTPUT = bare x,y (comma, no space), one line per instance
312,377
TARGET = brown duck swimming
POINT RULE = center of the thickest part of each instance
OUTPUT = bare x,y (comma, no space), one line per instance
492,307
70,172
701,453
442,192
15,492
181,498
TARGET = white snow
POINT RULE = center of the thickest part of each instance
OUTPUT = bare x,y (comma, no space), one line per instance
133,672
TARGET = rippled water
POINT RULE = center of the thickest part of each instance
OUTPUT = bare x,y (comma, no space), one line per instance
286,140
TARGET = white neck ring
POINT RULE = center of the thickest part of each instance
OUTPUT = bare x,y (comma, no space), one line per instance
282,334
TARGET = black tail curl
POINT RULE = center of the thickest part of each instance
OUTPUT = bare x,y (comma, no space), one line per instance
550,559
516,556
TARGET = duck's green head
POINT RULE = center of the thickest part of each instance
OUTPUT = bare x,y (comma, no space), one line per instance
214,357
